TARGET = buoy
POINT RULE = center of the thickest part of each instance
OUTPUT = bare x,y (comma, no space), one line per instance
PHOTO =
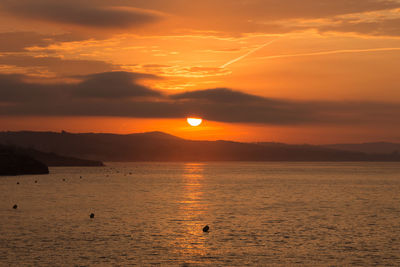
17,182
15,206
206,228
91,215
35,182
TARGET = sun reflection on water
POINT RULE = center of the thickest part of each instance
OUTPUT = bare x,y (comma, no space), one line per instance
193,185
192,211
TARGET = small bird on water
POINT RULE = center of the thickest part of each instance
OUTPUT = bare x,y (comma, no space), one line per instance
15,206
91,215
206,228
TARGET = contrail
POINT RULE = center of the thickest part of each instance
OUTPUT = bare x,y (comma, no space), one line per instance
344,51
247,54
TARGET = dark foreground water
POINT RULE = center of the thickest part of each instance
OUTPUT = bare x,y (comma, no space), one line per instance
260,214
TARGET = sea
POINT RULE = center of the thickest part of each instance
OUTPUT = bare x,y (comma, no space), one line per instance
153,214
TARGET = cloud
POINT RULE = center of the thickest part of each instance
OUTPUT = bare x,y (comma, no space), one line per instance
81,13
120,94
217,95
267,9
56,65
382,27
111,85
333,52
16,88
20,41
260,16
183,71
223,16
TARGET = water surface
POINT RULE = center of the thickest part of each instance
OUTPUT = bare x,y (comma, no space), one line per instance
153,214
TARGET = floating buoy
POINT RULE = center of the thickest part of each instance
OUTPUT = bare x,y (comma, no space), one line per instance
206,228
15,206
91,215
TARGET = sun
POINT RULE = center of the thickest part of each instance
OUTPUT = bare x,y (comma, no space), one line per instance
194,121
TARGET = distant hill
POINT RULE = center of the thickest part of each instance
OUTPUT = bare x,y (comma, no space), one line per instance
50,159
54,160
378,147
14,163
158,146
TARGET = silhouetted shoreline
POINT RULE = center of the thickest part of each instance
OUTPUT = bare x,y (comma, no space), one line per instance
19,161
12,164
158,146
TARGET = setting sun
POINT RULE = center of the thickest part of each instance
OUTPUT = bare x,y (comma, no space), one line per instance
194,121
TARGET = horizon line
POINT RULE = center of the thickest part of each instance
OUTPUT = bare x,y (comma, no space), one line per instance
165,133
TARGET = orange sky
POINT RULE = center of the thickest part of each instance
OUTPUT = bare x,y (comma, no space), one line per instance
319,71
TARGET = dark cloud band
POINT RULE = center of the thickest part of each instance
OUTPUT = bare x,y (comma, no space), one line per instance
82,13
120,94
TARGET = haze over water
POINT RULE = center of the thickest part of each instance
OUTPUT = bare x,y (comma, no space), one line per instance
153,214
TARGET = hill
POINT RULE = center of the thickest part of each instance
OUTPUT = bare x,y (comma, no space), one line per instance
157,146
14,163
51,159
377,147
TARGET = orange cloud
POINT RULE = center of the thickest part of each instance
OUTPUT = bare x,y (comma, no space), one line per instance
81,13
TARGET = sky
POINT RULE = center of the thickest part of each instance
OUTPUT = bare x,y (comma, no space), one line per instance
310,71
